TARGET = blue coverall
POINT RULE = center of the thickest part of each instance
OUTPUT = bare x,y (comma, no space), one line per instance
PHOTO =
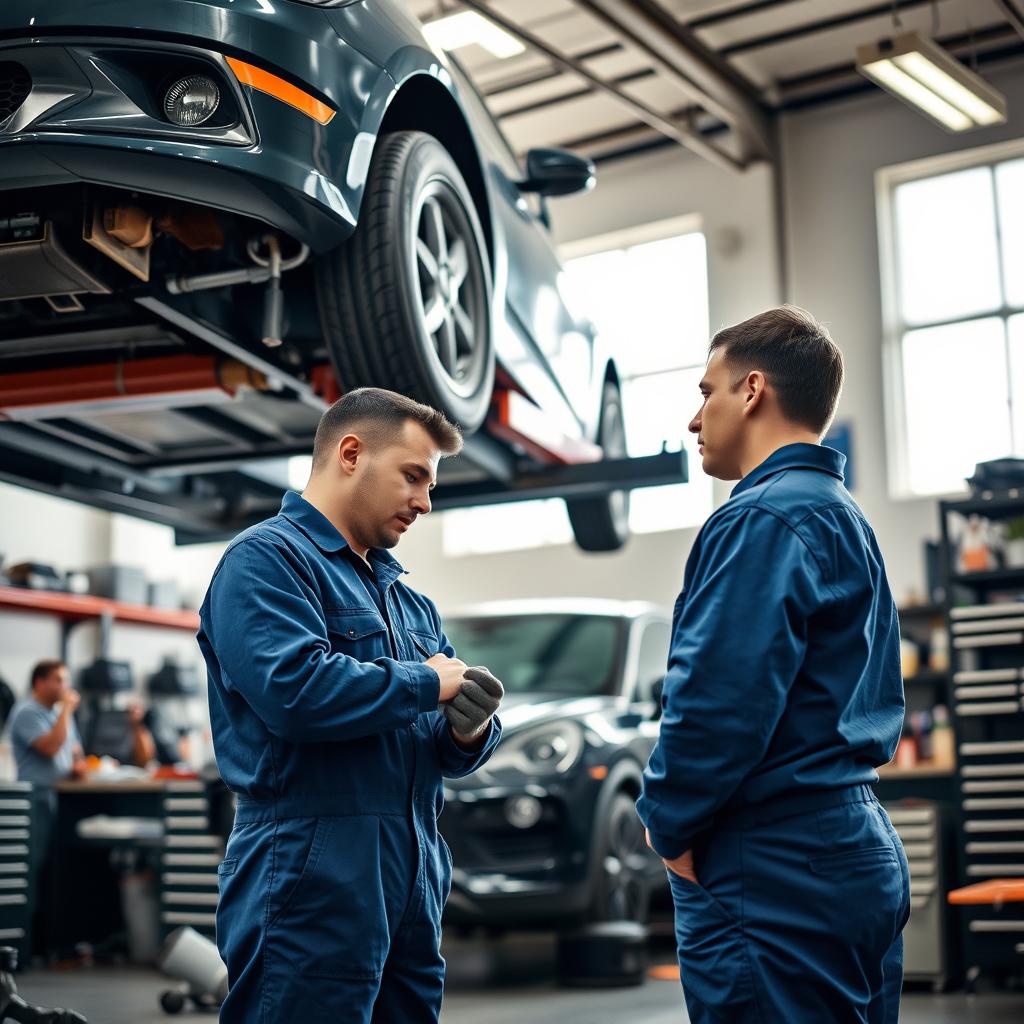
783,694
326,727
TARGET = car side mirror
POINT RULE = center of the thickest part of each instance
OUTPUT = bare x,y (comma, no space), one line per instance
557,172
657,689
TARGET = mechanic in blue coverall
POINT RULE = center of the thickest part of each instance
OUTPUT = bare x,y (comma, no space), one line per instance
783,694
326,674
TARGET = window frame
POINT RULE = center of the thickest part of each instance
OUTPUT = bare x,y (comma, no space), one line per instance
887,179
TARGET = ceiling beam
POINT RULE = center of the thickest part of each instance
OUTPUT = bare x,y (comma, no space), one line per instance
678,131
692,66
743,10
575,94
1013,15
812,28
512,84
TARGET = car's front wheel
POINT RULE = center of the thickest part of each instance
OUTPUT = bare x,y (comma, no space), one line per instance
622,890
405,303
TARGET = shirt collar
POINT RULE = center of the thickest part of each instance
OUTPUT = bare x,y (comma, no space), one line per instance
794,456
326,536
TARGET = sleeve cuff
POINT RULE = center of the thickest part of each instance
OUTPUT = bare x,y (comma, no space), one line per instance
465,753
425,684
668,847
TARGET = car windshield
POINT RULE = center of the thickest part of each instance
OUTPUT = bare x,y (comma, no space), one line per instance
576,655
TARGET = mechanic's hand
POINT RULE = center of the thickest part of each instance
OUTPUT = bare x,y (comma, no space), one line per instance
70,700
681,866
450,671
471,710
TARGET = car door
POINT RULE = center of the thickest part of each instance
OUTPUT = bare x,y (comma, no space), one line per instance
655,638
534,281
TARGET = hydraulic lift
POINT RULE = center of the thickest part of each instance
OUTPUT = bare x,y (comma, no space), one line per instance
199,440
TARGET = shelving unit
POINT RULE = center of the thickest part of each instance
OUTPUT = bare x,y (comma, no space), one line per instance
924,690
986,638
73,609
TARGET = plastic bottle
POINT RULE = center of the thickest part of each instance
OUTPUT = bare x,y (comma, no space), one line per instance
938,652
906,749
943,741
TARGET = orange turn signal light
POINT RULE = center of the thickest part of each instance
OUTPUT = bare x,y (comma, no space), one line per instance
664,972
598,771
264,81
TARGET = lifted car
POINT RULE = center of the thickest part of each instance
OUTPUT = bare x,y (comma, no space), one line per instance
218,215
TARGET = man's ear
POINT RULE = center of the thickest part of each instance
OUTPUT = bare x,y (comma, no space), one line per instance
350,450
754,386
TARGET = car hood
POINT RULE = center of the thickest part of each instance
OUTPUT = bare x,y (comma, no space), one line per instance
522,710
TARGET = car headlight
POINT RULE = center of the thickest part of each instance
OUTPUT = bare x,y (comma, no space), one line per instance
550,749
192,100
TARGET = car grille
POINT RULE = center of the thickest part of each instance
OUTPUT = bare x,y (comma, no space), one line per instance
15,85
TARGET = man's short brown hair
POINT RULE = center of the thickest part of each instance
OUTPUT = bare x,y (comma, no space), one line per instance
377,416
44,669
797,356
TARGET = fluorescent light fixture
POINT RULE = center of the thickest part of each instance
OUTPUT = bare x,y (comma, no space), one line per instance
457,30
924,75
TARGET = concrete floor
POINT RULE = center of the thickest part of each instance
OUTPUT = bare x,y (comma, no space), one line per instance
505,982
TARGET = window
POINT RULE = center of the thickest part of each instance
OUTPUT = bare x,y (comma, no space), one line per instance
953,255
550,653
653,658
646,291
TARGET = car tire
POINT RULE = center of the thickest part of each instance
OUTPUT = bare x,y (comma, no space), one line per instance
622,890
405,304
602,524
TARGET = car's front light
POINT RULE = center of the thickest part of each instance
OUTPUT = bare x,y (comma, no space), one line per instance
550,749
192,100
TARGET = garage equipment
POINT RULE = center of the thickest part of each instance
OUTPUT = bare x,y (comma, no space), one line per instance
986,633
194,959
13,1007
19,818
921,828
605,955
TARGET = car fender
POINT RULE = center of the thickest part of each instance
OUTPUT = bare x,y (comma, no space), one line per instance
388,35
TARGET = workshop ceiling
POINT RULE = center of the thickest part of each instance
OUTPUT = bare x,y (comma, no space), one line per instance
706,73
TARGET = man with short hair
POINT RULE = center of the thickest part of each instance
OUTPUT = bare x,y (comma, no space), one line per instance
44,738
47,749
326,677
783,695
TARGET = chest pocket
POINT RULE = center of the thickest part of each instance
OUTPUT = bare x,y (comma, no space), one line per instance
425,643
360,633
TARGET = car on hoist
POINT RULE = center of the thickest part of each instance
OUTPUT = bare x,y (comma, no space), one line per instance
218,215
546,835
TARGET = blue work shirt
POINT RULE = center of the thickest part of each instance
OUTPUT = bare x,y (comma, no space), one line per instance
319,700
31,721
784,673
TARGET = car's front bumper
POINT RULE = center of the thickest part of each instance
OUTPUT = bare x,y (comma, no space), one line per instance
89,118
509,877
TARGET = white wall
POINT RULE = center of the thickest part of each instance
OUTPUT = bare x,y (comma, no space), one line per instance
830,156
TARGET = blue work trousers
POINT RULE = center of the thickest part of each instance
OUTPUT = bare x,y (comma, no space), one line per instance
798,917
333,918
